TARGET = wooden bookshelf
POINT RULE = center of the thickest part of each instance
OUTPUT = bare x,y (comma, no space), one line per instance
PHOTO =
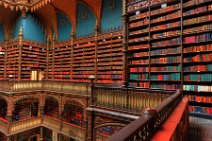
197,53
2,60
170,46
51,63
12,60
109,58
33,57
62,61
83,59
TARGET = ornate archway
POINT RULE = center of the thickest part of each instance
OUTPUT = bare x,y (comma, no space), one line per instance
73,113
3,107
25,108
51,107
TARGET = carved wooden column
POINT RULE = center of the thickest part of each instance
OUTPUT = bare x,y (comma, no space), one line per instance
41,134
5,58
20,53
53,48
72,53
10,106
61,108
90,134
95,57
47,58
124,42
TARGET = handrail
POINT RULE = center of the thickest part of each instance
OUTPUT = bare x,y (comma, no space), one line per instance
127,99
67,87
144,127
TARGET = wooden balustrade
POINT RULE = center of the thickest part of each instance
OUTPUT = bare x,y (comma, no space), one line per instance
25,124
76,132
143,128
133,100
67,87
4,125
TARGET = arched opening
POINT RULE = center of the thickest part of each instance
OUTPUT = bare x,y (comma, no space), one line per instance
104,132
3,108
51,107
25,108
2,137
73,113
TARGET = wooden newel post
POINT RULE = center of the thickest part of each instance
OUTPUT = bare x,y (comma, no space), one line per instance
47,56
53,47
20,52
72,54
124,43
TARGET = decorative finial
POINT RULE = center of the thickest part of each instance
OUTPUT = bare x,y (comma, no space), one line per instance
21,31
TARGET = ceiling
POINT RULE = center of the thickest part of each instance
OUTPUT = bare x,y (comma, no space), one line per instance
46,10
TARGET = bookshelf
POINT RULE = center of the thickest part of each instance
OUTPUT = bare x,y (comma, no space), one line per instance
197,54
2,60
83,59
50,63
33,56
109,58
12,60
169,48
62,61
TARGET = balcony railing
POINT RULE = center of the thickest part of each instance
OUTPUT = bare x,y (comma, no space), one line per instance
65,87
126,99
143,128
8,128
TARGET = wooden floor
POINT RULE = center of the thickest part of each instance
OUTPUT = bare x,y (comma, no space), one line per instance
200,129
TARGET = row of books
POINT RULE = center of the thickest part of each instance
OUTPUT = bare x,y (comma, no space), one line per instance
137,62
139,69
139,84
135,6
199,48
165,34
199,58
197,10
167,17
197,98
197,88
141,54
139,16
165,69
199,109
109,76
132,47
138,77
139,39
198,29
196,68
165,26
165,86
139,23
172,76
198,38
62,76
197,20
144,30
198,77
172,59
165,9
165,51
194,2
174,41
